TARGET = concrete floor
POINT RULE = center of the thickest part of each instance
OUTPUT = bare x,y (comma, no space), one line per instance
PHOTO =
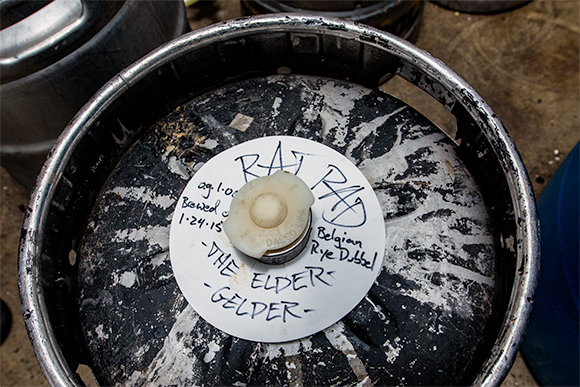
525,64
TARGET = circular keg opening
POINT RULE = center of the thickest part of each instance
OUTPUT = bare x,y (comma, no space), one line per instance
161,129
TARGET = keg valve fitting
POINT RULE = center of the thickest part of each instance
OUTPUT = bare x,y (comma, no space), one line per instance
270,217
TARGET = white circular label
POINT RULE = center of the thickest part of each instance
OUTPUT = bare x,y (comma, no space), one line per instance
276,303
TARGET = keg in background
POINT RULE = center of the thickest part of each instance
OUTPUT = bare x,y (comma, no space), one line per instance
551,342
443,310
481,6
54,55
402,18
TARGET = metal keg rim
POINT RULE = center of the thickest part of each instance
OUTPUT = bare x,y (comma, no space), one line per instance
503,353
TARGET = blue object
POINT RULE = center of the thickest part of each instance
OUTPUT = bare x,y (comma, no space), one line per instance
552,341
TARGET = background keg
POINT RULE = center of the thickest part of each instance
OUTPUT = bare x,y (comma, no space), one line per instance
551,342
402,18
481,6
117,171
56,54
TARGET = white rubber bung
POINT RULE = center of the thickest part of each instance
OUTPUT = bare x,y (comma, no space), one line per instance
268,213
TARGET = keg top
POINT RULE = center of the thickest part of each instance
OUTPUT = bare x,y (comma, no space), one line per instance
429,278
101,143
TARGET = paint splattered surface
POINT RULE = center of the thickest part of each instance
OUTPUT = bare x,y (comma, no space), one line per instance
424,319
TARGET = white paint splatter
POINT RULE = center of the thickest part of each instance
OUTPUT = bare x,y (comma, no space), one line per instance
385,167
364,129
338,340
275,106
178,168
365,382
159,259
143,194
291,348
335,336
392,350
338,101
212,348
141,351
100,333
176,362
127,279
154,235
437,331
209,144
450,292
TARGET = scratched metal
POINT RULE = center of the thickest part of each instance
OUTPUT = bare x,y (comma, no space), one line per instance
425,319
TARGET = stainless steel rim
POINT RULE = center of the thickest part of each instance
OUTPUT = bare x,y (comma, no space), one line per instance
457,91
288,253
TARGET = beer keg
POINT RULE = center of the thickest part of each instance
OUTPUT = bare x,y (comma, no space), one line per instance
420,259
56,54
